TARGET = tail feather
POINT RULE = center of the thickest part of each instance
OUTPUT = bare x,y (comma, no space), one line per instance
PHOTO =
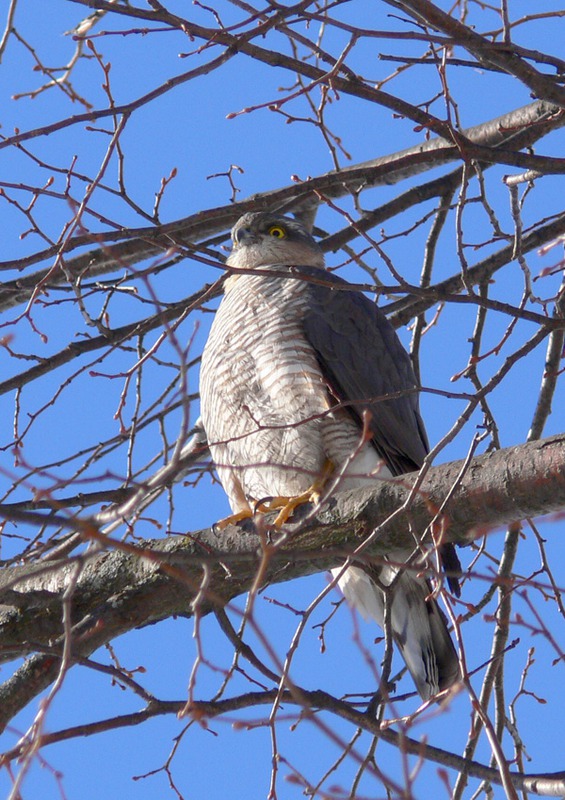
418,625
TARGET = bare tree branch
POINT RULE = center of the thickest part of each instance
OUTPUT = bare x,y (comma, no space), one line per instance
520,128
133,585
105,465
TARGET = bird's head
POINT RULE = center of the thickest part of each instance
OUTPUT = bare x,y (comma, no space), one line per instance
261,239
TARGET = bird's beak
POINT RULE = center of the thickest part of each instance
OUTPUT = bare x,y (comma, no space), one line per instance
243,236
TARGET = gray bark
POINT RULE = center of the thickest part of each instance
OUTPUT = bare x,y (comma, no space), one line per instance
124,587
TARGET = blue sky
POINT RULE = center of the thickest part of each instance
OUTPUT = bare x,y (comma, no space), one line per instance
188,130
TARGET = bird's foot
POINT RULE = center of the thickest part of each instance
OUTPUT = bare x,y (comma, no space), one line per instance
233,519
244,517
288,505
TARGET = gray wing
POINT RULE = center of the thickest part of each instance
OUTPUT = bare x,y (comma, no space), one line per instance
363,362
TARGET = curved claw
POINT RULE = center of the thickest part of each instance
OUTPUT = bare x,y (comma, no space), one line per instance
287,505
233,519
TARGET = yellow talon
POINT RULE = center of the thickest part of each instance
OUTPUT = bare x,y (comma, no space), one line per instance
233,519
249,513
287,505
291,504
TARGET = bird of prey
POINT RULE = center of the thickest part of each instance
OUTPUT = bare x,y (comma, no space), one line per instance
296,367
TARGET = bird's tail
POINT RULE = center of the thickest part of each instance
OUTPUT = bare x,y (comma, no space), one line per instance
418,625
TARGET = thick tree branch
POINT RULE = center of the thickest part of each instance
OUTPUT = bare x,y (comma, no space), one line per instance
103,371
128,586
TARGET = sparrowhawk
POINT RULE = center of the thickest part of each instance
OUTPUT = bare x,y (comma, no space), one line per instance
295,376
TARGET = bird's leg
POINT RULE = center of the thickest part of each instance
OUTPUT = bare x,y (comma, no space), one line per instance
288,505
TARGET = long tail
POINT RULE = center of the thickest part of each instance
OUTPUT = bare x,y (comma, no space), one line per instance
418,625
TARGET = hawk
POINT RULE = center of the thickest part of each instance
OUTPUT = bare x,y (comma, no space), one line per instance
303,377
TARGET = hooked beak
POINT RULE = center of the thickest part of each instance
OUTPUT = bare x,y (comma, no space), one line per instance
243,236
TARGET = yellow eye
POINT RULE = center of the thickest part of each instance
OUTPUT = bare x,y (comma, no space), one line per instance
277,232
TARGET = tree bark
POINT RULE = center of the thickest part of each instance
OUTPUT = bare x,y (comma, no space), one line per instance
127,586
